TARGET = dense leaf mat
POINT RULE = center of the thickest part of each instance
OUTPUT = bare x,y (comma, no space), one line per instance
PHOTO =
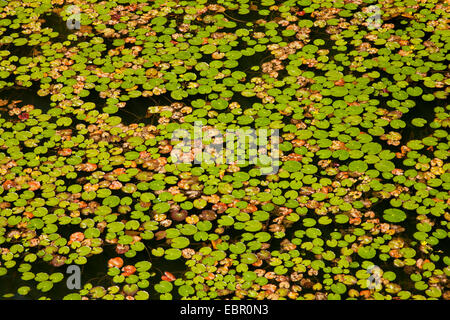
357,210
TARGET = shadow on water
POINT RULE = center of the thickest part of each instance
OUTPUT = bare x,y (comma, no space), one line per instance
26,96
55,22
422,109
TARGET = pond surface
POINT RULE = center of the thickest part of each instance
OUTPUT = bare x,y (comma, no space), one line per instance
88,178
